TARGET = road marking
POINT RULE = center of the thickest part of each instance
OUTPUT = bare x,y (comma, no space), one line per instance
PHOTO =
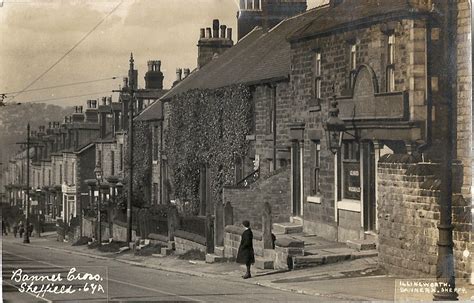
109,279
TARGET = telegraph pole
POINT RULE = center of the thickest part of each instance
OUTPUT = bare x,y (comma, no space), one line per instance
26,238
130,153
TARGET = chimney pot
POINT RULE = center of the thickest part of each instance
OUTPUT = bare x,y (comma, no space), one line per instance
203,33
158,65
125,82
223,28
229,33
186,72
179,72
80,108
49,124
208,32
109,100
94,103
215,28
104,100
150,66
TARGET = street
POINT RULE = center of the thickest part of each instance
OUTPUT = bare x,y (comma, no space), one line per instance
123,282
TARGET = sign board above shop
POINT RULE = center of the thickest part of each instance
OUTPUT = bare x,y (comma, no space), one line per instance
366,103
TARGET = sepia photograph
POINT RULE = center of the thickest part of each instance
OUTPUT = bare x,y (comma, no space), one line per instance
236,150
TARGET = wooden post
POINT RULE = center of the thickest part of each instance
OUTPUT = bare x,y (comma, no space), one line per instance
172,222
209,234
228,214
267,226
219,224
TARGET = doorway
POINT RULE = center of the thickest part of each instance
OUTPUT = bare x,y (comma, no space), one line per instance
369,197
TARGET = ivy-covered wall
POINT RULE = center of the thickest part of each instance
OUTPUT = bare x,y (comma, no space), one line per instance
142,153
206,127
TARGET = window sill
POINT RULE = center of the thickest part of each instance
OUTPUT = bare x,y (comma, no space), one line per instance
314,199
350,205
155,162
250,137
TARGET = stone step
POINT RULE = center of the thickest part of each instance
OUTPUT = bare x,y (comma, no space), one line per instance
165,251
219,251
212,258
365,254
361,244
300,262
263,263
287,228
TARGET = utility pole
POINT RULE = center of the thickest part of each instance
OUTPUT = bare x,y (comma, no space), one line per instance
26,238
130,153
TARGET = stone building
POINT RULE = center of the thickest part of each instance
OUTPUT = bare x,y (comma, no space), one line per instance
387,64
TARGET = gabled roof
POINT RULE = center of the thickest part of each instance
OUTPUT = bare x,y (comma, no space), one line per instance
261,56
152,112
352,13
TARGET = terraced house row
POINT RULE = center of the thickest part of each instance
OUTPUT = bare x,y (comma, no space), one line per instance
341,121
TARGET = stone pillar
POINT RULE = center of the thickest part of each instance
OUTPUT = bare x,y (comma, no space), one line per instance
209,234
267,226
219,224
228,214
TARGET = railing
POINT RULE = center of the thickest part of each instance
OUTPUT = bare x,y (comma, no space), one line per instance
251,178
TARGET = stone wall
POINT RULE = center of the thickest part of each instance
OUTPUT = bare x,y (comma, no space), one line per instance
184,244
464,92
248,202
408,214
232,237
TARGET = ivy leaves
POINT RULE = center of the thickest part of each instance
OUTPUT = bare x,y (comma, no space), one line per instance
206,127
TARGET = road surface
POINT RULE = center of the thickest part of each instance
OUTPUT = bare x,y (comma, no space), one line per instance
110,280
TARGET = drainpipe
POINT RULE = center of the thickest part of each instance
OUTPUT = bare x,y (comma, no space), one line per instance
274,130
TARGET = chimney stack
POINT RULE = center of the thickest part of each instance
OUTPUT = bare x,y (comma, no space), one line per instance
154,77
125,82
212,43
91,112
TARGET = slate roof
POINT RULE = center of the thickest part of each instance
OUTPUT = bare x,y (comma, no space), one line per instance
152,112
351,13
261,56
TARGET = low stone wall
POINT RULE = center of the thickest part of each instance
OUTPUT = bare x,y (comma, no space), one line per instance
248,202
408,216
232,239
119,230
185,241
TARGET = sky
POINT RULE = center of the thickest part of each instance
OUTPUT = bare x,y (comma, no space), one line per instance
35,34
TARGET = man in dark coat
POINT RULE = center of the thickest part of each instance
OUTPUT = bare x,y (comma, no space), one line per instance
246,254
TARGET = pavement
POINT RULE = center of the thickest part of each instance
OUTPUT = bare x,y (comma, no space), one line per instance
353,280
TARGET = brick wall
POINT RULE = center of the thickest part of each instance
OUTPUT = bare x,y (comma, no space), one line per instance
248,202
262,97
464,92
408,214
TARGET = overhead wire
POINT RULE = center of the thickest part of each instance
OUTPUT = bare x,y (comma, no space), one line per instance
69,97
60,85
68,52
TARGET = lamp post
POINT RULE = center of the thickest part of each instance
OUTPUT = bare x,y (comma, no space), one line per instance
334,127
98,177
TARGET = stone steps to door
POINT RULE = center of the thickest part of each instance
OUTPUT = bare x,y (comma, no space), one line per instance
287,228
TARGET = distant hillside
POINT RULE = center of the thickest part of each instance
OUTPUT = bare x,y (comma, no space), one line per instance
14,118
